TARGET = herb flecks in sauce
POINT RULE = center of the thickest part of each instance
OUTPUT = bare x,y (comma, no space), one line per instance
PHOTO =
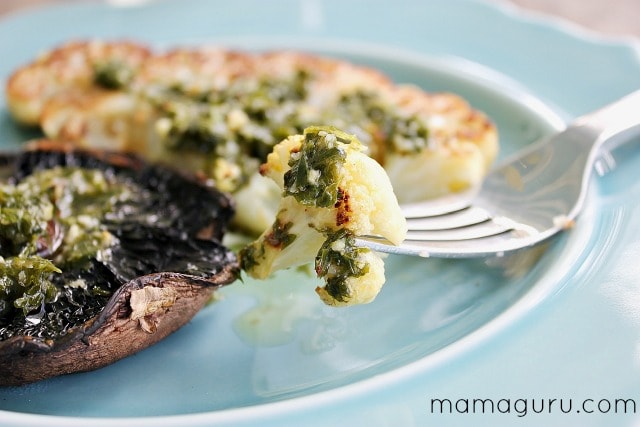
25,284
313,177
112,74
41,263
234,128
395,131
281,237
24,216
339,260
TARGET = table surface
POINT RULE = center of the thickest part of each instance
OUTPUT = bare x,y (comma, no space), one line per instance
609,17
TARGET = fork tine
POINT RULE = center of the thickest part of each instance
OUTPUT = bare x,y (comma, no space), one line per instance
475,231
496,245
493,236
462,218
439,206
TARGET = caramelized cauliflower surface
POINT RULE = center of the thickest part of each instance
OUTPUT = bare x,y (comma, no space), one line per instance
331,192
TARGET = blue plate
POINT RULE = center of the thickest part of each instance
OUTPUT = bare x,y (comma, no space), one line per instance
549,336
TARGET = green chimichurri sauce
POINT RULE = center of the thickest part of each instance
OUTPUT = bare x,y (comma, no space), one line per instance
337,266
52,222
112,74
313,177
234,128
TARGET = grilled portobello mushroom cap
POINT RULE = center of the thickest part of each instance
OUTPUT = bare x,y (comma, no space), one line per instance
159,263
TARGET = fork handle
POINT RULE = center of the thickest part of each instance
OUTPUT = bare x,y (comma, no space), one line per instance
613,121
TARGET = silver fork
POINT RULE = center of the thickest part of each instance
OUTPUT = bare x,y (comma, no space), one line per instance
526,199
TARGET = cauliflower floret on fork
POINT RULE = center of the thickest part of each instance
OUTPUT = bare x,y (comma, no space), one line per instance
332,192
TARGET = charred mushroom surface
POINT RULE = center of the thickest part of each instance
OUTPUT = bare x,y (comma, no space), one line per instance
101,255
